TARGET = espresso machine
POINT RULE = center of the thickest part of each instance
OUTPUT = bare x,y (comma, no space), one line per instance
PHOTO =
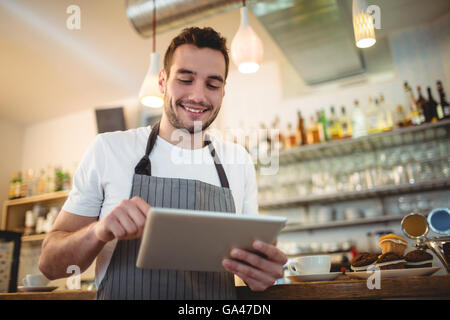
416,226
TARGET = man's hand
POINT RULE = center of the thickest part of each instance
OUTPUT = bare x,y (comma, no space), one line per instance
257,272
124,222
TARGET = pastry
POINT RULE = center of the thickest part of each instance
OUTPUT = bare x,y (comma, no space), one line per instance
363,261
392,243
418,259
390,260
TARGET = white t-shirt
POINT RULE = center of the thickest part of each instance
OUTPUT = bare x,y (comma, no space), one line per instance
104,177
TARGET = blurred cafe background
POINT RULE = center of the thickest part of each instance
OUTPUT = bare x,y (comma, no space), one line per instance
350,108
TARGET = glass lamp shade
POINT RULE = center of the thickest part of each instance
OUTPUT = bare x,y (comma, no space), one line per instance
246,48
363,25
149,95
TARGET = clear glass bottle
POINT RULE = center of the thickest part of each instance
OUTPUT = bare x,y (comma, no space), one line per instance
421,104
385,108
371,113
410,104
358,121
280,144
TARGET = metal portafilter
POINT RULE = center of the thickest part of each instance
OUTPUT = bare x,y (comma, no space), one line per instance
416,226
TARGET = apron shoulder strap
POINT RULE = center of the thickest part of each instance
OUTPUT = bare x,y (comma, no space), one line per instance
144,166
220,171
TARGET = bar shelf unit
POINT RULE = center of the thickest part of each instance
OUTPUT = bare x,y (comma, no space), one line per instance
376,192
13,216
383,142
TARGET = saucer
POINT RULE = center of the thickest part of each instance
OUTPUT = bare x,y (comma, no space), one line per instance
394,273
35,289
314,277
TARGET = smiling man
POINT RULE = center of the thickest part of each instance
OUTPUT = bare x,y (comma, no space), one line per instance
123,174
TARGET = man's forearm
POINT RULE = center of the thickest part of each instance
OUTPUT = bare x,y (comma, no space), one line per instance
62,249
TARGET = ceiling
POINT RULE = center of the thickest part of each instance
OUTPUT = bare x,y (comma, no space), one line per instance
317,36
49,70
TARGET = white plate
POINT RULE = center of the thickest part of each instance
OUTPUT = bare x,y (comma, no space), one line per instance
395,273
314,277
35,289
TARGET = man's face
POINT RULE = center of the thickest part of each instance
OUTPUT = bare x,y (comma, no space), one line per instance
195,87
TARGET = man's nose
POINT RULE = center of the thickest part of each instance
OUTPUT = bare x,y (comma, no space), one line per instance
198,93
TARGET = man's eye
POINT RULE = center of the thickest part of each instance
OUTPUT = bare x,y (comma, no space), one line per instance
185,81
212,87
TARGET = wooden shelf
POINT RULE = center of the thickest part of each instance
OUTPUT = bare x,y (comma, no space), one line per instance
13,217
38,198
34,237
338,224
357,195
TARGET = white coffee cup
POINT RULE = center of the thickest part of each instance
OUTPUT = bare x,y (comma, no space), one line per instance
310,265
35,280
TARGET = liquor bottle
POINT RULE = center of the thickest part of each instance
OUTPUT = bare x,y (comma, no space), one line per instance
324,125
381,117
421,104
18,186
51,180
290,138
58,179
444,104
301,133
263,147
431,107
333,125
12,186
402,119
346,125
387,112
277,135
371,113
313,131
41,189
358,121
24,185
320,127
410,105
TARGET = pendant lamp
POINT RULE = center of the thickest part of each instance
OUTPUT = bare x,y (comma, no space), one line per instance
246,48
363,25
149,95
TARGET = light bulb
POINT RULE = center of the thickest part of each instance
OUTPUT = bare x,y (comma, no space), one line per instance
363,25
246,48
149,95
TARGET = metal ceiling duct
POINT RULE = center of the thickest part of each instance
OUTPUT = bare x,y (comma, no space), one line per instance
172,14
317,38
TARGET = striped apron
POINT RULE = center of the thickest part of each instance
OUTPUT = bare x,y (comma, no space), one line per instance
124,281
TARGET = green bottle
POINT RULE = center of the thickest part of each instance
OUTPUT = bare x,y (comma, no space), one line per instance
324,122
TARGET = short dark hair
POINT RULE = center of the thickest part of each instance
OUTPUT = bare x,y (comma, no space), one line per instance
202,38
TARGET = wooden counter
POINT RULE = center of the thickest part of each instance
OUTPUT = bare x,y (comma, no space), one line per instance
54,295
344,288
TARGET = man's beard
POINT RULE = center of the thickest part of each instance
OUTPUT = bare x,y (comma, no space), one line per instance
177,123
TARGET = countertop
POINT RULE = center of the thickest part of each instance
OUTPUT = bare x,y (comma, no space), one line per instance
344,288
341,288
54,295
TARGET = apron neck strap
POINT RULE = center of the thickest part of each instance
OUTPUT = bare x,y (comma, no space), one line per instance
144,166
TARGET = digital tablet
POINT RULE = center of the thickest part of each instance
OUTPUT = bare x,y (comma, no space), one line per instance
190,240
